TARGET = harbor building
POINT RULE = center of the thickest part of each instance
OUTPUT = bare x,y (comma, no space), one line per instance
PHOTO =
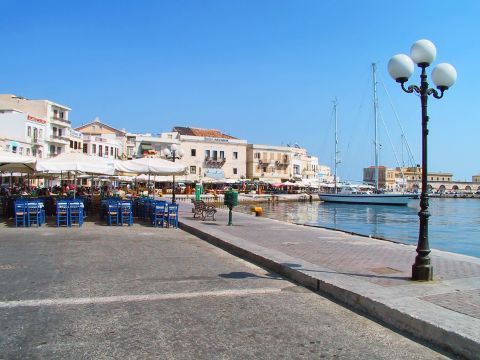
49,117
100,139
148,145
386,177
210,154
271,164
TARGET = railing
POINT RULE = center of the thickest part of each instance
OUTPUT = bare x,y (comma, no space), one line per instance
59,138
56,118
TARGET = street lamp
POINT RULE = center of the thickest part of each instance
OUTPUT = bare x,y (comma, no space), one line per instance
401,67
173,153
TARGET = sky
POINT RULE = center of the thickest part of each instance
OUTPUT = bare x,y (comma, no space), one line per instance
262,70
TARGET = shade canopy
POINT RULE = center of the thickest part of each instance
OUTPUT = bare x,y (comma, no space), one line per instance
152,166
10,162
77,162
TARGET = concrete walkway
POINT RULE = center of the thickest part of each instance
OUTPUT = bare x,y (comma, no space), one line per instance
372,276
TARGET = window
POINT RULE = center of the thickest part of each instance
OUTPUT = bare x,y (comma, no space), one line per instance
20,150
71,144
85,148
34,152
52,150
29,131
28,151
14,149
235,171
94,148
39,153
111,151
193,169
222,154
59,132
61,114
100,150
106,150
235,155
35,133
59,150
76,145
40,133
207,153
116,153
54,131
214,154
55,113
193,152
256,155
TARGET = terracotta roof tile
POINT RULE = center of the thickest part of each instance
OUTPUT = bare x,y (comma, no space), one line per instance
202,132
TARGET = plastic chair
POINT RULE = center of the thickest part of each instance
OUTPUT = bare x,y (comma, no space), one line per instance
20,213
126,215
62,213
113,215
172,215
158,214
76,213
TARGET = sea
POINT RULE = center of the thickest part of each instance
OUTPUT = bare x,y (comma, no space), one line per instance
454,224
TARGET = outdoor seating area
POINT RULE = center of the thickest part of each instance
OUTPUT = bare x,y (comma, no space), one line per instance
28,212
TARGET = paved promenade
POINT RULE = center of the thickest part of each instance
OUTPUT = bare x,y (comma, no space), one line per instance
372,276
139,292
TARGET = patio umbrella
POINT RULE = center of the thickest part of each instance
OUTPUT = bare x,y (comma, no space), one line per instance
78,163
10,162
150,166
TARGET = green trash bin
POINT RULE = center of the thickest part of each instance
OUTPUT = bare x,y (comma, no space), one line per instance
198,191
231,200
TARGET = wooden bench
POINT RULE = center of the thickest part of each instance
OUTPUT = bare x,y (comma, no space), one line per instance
203,210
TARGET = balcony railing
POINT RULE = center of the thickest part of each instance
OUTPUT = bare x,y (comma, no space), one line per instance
56,118
59,138
214,161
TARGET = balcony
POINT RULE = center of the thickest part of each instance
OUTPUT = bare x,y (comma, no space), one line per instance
37,141
58,120
59,139
214,162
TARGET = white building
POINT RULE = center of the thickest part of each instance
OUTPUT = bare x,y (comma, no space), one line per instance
56,133
209,153
102,140
142,145
23,134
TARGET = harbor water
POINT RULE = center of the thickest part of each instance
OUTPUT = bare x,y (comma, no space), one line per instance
454,224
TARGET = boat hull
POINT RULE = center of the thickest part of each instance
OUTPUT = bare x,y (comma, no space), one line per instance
369,199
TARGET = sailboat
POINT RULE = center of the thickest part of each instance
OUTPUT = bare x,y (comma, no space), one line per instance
358,194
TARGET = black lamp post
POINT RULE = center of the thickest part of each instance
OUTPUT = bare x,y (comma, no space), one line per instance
401,67
173,153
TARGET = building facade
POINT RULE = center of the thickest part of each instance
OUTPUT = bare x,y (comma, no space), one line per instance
210,154
103,140
271,163
55,118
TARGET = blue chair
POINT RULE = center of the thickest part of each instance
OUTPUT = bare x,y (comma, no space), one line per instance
113,215
158,214
34,213
20,212
63,217
172,215
75,213
126,215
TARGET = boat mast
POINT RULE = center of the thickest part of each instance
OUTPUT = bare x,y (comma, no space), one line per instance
336,144
375,110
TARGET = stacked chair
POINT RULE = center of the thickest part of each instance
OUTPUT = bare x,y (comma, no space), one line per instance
28,212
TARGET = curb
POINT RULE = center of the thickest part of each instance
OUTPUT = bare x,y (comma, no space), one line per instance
403,320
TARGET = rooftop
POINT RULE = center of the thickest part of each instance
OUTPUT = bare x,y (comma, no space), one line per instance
202,132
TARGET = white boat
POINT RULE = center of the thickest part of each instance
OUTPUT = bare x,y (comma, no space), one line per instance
356,194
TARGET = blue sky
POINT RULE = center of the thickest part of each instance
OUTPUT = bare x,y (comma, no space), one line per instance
262,70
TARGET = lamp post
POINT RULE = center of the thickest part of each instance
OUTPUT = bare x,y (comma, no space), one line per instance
401,67
173,153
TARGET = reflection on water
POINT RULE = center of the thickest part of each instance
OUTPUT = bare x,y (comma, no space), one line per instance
453,226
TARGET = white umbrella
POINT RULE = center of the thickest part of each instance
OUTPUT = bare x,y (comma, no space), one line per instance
76,162
152,166
10,162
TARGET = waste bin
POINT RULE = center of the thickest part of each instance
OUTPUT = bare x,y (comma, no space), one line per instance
231,200
198,191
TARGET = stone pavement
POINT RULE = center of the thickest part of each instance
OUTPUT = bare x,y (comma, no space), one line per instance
101,292
372,276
